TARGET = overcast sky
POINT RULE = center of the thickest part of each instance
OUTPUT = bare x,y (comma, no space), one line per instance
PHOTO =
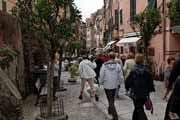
88,6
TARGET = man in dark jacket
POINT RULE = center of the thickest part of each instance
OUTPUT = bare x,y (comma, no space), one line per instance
99,63
140,84
173,78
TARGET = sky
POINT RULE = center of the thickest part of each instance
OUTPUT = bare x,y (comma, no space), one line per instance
87,7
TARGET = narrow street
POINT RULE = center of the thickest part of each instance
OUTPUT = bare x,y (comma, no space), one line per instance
88,109
74,108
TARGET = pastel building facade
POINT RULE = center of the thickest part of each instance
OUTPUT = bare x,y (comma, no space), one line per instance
163,43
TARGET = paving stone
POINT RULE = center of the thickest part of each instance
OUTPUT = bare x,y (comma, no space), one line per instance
76,109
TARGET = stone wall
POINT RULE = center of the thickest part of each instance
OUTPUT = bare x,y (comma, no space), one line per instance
12,76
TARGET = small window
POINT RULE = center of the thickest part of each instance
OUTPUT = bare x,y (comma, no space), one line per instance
116,17
121,17
122,50
151,52
132,49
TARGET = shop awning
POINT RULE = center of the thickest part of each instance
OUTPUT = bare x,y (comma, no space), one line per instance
110,43
130,40
108,46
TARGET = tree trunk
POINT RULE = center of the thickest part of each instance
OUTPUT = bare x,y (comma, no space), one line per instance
60,68
50,87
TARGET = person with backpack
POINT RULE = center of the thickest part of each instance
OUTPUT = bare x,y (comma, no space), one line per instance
140,84
111,76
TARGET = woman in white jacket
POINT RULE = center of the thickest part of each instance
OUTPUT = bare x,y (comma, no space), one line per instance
129,65
87,74
111,76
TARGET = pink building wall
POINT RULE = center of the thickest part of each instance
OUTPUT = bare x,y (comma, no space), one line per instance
172,40
125,6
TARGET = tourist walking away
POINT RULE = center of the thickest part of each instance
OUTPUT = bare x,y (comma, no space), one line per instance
128,65
99,63
123,59
55,78
167,72
118,60
87,74
41,77
175,73
140,84
111,76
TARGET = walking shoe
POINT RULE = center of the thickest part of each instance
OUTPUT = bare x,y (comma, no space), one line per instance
80,97
96,98
109,112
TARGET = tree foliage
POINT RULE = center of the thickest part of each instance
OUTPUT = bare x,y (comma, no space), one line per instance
52,21
6,56
174,11
146,22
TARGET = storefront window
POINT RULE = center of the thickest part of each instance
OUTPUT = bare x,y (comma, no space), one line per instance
132,49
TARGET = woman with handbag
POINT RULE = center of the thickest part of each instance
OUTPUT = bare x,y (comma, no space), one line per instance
140,84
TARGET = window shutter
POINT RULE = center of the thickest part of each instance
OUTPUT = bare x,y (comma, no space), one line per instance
132,9
121,16
4,7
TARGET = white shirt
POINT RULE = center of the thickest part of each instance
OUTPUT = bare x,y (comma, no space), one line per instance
86,69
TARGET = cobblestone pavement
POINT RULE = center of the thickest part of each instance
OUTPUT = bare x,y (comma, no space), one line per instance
88,109
75,109
125,107
29,110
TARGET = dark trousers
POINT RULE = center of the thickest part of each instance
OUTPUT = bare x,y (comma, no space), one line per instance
139,113
55,86
111,98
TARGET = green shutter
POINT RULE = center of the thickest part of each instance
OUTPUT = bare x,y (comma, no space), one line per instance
116,17
132,9
121,16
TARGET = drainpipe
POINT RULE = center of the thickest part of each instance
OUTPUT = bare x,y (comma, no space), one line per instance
164,29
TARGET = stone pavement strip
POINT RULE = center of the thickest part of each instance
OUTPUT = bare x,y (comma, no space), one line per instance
89,109
75,109
124,104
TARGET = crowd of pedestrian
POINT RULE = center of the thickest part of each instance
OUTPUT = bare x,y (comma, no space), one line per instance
110,70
